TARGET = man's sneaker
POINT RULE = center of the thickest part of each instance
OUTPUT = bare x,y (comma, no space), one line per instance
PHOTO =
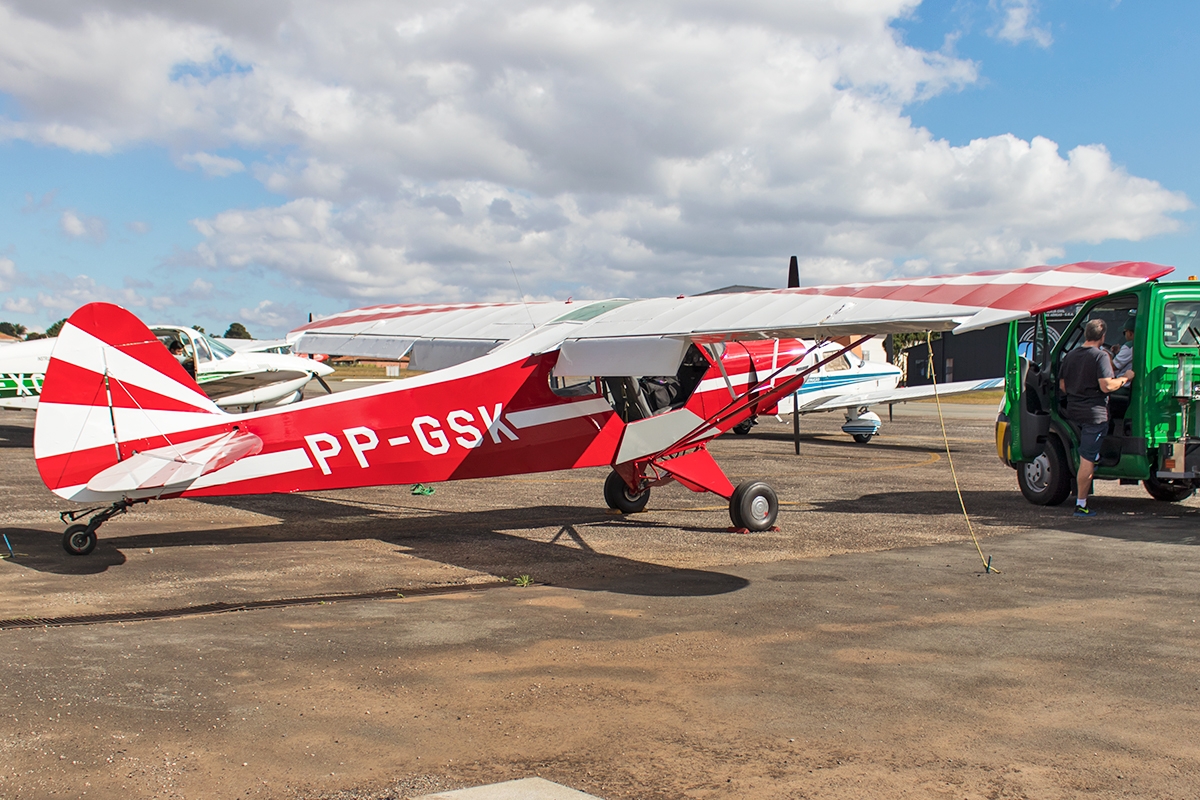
1084,511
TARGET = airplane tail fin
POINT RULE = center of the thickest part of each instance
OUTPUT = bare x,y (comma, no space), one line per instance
114,397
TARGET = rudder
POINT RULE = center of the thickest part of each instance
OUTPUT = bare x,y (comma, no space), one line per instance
112,390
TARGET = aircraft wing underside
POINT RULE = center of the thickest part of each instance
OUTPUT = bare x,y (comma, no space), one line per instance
597,333
432,335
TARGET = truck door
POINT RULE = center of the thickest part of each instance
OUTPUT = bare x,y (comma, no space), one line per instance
1025,387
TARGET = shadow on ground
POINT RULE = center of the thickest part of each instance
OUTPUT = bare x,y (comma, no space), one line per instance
823,440
1129,518
470,540
15,436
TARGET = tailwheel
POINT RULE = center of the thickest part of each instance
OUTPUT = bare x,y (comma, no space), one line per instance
754,506
79,540
618,496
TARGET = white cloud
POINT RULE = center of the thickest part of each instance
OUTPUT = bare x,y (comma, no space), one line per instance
213,166
19,305
73,225
1019,23
8,273
275,316
68,294
200,289
622,147
139,227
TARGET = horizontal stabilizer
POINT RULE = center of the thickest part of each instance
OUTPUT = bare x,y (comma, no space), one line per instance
176,466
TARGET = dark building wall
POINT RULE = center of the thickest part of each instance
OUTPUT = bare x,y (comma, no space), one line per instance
977,355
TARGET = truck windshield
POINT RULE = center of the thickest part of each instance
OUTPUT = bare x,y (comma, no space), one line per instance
1181,324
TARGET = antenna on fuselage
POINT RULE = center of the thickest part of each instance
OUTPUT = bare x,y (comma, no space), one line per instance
794,274
521,294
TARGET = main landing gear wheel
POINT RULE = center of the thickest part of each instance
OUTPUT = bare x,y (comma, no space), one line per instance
79,540
618,496
754,506
862,438
743,428
1046,481
1169,491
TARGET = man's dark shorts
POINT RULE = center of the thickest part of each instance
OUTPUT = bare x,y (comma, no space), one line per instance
1090,434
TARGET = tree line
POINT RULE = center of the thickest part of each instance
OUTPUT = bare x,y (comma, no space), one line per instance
236,330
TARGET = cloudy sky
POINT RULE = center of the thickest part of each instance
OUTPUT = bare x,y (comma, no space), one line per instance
206,161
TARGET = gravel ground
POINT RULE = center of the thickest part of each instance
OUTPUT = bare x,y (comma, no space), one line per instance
859,651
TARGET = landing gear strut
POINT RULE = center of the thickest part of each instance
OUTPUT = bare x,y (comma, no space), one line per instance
79,539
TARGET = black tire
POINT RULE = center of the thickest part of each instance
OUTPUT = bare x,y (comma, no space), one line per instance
754,506
1046,480
743,428
862,438
79,540
1169,491
618,496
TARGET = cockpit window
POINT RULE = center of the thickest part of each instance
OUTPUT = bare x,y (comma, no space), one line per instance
202,352
838,364
219,349
574,386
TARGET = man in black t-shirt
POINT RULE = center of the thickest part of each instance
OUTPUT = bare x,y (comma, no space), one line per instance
1086,376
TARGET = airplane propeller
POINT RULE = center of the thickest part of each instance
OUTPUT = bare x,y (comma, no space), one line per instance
794,283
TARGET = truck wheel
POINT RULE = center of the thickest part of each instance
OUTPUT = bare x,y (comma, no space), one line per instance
1045,481
1169,491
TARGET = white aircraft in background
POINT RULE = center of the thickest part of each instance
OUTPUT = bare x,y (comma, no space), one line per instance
235,381
853,384
281,346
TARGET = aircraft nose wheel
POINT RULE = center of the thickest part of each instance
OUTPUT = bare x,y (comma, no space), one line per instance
618,496
79,540
754,506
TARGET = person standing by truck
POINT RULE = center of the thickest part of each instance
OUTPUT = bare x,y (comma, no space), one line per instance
1086,377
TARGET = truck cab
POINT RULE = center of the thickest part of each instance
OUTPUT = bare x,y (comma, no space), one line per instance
1151,437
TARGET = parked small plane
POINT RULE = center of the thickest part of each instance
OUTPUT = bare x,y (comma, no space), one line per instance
438,336
121,422
844,381
235,381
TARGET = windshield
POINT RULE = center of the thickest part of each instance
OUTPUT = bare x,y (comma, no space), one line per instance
219,349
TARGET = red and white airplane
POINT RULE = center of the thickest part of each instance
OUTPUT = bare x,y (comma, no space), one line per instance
120,421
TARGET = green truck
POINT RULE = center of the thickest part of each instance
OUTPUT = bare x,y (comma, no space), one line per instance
1152,422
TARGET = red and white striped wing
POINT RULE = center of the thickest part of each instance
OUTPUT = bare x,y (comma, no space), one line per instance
947,302
439,334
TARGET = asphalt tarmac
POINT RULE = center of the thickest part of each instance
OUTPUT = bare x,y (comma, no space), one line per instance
383,649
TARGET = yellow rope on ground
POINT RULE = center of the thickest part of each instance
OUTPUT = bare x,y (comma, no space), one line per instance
987,562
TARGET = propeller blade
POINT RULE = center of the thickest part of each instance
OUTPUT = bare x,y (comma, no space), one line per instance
794,274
